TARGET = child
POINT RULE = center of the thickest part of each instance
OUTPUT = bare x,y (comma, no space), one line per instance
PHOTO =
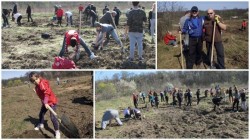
48,98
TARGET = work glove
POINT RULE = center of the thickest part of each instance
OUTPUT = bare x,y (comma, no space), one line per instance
217,19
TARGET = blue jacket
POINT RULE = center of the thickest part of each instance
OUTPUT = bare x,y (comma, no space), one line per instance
193,26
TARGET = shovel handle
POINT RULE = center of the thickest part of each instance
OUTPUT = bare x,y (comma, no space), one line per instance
52,111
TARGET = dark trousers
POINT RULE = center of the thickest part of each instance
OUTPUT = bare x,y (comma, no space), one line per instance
29,17
166,99
52,117
216,104
143,98
179,101
236,102
116,20
59,19
189,102
5,20
19,20
162,99
198,99
135,103
219,51
93,20
69,20
195,52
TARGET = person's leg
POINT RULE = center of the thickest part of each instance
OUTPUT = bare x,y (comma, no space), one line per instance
132,41
220,55
118,121
31,18
209,49
139,40
43,110
116,38
234,104
86,48
63,48
192,53
237,105
152,27
199,51
53,118
71,21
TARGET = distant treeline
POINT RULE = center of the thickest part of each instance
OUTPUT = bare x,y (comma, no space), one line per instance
50,75
167,19
126,83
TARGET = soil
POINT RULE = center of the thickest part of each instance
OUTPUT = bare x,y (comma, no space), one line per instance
172,122
23,47
21,108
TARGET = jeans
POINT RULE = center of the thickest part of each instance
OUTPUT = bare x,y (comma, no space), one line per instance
172,42
52,116
69,20
236,102
219,51
195,51
84,45
113,34
133,38
19,20
93,19
152,27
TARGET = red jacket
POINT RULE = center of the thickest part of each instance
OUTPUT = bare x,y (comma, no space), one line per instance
80,8
45,93
69,35
59,13
244,24
168,37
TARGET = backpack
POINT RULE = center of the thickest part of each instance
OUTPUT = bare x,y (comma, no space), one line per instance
63,63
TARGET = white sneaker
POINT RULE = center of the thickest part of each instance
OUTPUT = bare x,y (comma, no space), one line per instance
58,135
39,126
92,56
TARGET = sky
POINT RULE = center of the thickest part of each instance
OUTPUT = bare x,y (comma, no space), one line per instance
214,5
100,75
12,74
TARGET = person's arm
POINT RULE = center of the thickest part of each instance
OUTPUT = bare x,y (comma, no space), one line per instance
44,87
219,23
185,27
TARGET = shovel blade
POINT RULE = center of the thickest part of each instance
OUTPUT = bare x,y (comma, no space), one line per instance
68,128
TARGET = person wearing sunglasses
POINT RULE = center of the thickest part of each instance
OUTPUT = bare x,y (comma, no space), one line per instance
209,27
193,26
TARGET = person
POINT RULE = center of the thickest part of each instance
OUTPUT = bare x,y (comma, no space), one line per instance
102,31
135,100
108,116
216,101
185,96
48,98
189,97
162,96
236,99
14,11
117,16
134,29
5,15
243,100
126,113
28,11
193,26
152,17
68,17
106,9
93,17
80,8
230,94
86,11
58,80
243,25
59,15
185,37
72,38
56,8
206,93
174,96
198,93
170,39
151,99
179,97
166,95
18,17
209,27
156,99
136,113
144,97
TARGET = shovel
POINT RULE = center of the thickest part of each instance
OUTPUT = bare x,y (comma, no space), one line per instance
67,127
212,49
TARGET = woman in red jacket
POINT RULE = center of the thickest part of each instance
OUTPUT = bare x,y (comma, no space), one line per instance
47,97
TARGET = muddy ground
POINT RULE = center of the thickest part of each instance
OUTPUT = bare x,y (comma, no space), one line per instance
21,106
172,122
23,47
